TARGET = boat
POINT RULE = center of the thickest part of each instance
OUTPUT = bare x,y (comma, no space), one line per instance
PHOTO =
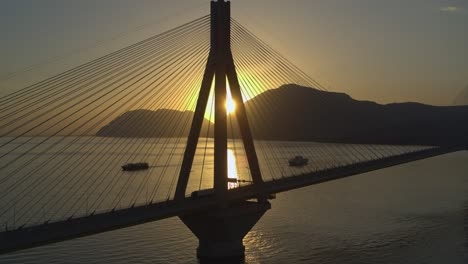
298,161
135,166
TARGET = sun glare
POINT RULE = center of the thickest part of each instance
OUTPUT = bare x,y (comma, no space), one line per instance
232,169
230,104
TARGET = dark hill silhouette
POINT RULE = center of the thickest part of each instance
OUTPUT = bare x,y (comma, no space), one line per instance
298,113
146,123
302,114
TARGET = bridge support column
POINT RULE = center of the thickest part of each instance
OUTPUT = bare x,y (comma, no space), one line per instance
220,232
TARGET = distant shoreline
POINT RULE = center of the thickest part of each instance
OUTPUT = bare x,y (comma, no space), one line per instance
297,113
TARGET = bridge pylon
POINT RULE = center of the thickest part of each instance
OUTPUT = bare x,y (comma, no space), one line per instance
220,231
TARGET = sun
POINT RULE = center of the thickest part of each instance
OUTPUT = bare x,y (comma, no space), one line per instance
230,104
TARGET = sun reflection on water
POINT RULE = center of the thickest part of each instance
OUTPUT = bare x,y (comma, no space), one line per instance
233,173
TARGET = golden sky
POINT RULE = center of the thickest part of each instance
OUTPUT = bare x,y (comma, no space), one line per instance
385,51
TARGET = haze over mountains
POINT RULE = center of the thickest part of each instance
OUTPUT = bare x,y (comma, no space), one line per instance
297,113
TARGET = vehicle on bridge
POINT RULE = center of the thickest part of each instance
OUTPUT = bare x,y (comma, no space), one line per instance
202,193
135,166
298,161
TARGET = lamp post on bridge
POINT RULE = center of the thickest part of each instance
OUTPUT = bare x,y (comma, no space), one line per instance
221,231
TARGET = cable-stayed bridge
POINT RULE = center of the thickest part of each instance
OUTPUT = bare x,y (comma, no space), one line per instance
208,164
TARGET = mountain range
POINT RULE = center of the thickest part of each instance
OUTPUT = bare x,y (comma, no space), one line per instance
146,123
296,113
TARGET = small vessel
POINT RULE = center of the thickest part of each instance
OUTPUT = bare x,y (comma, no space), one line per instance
298,161
135,166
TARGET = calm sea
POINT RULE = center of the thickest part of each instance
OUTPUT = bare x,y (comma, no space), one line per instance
413,213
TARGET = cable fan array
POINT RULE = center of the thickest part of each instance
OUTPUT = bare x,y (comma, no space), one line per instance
53,167
139,101
261,69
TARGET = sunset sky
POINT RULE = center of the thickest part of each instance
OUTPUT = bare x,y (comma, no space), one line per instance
386,51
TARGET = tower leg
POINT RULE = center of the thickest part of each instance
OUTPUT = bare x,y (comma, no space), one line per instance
194,134
220,232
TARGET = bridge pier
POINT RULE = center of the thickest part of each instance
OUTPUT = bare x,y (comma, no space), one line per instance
220,232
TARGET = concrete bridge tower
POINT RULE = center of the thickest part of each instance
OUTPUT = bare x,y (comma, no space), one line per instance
220,231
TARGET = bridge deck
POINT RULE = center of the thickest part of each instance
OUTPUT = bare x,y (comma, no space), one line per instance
47,233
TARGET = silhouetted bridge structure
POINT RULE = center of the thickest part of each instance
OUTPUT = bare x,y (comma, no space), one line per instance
55,185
